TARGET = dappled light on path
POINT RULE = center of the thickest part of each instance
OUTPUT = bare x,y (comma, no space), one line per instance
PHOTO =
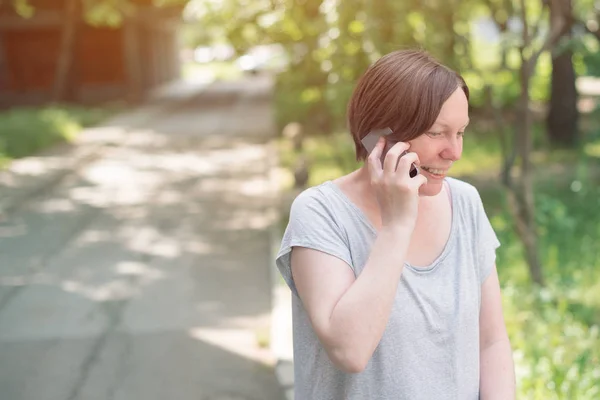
152,260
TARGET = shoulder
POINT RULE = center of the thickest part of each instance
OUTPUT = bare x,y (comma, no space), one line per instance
463,188
465,193
313,194
472,210
315,199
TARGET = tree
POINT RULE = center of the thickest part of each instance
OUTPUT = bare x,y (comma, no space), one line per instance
520,186
66,50
563,116
501,11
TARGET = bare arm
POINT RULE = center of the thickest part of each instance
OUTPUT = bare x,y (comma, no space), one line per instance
497,375
348,315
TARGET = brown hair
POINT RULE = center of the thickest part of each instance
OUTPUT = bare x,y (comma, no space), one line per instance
403,90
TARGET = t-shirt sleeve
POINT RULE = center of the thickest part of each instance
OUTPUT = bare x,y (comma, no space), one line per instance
312,225
487,242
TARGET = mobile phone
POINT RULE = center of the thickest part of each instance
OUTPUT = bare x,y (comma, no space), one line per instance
370,141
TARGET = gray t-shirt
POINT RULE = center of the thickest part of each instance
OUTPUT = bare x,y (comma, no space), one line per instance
430,347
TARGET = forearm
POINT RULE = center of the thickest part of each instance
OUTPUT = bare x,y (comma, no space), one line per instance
358,320
497,372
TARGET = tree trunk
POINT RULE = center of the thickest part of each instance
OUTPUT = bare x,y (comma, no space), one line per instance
520,188
3,69
563,116
520,193
66,50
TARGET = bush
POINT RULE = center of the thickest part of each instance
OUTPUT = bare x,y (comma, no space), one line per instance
556,355
26,131
554,331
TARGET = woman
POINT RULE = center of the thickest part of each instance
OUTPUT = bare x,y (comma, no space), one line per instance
395,290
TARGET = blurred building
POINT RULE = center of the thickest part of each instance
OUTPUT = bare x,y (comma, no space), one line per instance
108,63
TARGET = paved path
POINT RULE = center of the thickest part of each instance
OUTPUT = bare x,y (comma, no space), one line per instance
145,274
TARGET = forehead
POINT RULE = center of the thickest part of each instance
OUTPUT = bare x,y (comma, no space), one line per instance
455,111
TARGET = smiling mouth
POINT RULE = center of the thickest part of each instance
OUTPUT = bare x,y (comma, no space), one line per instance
435,171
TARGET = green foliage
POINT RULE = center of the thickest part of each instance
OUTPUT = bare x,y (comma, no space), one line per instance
590,52
106,12
25,131
556,355
23,8
554,331
110,13
329,156
330,44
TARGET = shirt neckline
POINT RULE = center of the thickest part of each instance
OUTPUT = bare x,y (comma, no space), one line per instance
451,237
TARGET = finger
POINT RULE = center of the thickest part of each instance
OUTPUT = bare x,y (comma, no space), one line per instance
391,158
406,161
374,158
419,180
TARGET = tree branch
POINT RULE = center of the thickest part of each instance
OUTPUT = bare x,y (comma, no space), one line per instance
557,31
493,9
538,23
524,24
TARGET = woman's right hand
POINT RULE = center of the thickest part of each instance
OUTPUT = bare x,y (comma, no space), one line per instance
397,193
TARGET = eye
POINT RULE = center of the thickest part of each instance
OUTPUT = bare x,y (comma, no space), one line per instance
434,134
462,133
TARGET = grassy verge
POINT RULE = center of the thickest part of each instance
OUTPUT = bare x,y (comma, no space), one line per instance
28,130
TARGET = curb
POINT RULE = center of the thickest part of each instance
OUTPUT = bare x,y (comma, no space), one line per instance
80,153
281,311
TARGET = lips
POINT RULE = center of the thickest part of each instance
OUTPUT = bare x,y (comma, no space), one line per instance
435,171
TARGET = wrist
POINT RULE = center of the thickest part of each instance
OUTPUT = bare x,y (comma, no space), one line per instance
404,229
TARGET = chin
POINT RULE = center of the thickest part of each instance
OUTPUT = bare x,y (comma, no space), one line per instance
431,189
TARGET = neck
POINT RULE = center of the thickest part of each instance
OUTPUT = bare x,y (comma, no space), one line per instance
357,186
363,179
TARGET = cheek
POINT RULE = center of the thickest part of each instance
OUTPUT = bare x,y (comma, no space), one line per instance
418,146
423,150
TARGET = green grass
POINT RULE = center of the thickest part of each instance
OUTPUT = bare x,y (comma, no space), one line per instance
554,331
27,130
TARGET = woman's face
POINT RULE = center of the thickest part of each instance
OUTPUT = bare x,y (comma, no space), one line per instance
441,145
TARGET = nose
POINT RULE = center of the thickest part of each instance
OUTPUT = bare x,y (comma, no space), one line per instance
453,149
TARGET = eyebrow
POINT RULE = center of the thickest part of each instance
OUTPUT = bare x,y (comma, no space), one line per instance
448,126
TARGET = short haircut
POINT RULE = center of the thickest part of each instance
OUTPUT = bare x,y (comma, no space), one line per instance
403,90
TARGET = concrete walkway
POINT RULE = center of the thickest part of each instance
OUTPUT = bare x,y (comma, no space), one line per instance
144,273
